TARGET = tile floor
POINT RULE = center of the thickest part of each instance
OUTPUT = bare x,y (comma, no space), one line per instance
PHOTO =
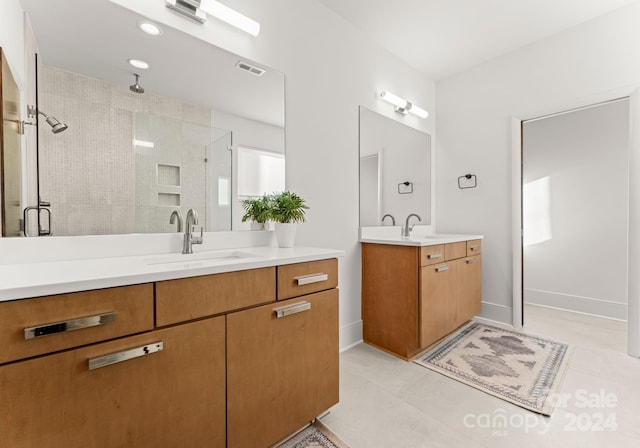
389,403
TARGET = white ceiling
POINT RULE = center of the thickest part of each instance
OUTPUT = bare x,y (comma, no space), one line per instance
444,37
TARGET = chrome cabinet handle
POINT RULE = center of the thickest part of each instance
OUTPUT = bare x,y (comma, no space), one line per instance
474,248
432,256
312,278
288,310
471,260
69,325
442,268
114,358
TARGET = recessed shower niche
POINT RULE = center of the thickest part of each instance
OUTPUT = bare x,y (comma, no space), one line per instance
173,159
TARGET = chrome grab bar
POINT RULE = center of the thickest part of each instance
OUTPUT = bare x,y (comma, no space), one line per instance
288,310
311,278
114,358
69,325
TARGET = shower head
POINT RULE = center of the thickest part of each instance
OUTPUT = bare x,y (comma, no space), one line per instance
137,88
56,126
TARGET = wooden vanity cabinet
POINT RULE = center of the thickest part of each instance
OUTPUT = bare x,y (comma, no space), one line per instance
437,301
169,398
230,361
414,296
282,362
469,288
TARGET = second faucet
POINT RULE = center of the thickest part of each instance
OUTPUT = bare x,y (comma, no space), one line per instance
406,230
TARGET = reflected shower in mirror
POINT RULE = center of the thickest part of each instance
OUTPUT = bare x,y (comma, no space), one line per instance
135,153
395,170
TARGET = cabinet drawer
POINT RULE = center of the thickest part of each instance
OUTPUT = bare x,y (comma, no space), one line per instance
281,371
170,397
42,325
431,254
194,297
453,251
304,278
474,247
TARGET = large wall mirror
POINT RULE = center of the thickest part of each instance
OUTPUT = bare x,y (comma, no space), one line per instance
395,170
128,159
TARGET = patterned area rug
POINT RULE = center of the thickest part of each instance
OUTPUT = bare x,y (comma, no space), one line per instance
315,436
521,369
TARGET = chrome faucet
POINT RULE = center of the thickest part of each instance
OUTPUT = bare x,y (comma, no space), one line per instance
393,220
406,230
176,215
189,239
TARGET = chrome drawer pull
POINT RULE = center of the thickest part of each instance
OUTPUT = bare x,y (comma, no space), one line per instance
432,256
114,358
288,310
442,268
313,278
474,248
471,260
69,325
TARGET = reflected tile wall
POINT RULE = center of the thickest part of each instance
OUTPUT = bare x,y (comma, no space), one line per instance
88,172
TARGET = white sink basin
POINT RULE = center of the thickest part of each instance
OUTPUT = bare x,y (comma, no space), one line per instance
209,257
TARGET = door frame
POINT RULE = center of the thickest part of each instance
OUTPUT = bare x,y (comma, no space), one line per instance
633,254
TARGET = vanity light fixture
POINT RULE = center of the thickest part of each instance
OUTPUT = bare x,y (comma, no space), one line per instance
150,28
403,106
198,10
137,63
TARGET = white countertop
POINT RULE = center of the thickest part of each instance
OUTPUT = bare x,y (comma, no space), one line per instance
419,240
19,281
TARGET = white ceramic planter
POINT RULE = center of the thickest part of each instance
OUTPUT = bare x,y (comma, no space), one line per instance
256,225
286,234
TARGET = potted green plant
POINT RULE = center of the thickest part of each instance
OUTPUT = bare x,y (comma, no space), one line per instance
287,209
257,210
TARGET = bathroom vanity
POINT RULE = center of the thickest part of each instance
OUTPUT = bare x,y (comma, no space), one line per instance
415,291
212,349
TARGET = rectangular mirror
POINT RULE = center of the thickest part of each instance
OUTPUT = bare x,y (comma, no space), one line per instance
395,171
128,158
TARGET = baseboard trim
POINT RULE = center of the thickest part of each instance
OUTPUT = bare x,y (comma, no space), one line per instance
571,311
577,304
496,313
350,335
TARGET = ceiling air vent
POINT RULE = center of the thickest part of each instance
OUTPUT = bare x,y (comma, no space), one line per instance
250,68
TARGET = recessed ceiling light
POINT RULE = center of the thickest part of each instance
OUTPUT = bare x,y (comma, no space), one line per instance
150,28
137,63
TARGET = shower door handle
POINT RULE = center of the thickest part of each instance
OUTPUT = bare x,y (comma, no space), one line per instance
25,219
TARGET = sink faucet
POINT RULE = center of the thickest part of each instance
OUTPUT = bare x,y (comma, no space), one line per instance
176,215
393,220
406,231
189,239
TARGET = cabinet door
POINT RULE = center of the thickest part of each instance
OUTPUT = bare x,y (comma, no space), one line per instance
469,288
281,371
438,304
169,398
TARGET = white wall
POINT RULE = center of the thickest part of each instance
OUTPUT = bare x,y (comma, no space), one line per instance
330,70
581,263
593,61
12,38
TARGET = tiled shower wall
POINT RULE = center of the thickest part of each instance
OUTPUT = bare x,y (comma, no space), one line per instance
88,171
